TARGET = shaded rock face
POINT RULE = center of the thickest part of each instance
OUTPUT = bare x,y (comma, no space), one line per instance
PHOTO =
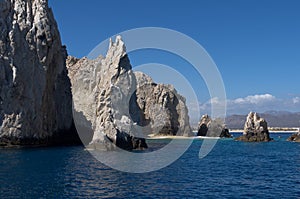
109,106
203,125
163,109
35,94
295,137
225,133
255,129
212,128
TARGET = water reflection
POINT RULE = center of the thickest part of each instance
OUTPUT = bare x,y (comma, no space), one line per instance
231,169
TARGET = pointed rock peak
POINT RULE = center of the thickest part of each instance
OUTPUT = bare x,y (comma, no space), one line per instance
116,48
118,39
205,117
110,43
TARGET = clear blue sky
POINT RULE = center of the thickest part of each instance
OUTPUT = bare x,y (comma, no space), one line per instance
255,44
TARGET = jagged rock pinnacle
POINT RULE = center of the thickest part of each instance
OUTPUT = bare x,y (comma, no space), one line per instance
110,101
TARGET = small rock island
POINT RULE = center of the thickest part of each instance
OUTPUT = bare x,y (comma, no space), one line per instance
255,129
295,137
212,128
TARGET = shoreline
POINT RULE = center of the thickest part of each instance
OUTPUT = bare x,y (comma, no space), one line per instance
153,137
270,131
181,137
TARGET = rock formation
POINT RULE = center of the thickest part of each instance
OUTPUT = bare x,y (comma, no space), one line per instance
203,125
212,128
295,137
112,103
109,106
101,92
255,129
35,95
162,107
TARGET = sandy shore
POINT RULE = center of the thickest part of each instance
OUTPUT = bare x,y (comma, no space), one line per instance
154,137
180,137
271,131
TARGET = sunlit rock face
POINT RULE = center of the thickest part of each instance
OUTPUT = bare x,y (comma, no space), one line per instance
114,104
35,94
255,129
101,92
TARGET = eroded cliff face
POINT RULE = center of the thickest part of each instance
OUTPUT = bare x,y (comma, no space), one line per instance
163,108
35,94
102,89
112,103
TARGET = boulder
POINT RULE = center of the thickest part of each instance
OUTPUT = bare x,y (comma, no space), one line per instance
212,128
225,133
255,129
295,137
35,94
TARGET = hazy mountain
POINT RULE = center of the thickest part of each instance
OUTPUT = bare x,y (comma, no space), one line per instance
274,119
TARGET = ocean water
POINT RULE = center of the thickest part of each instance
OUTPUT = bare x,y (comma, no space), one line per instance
232,170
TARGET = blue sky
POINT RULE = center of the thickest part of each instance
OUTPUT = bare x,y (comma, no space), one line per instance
255,44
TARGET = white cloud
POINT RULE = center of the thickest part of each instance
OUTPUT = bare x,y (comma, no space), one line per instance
258,103
296,100
255,99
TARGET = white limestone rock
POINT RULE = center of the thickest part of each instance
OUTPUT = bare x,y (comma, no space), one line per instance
255,129
164,110
102,89
35,95
108,101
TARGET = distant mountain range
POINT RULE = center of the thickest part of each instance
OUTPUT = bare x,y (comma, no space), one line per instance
274,119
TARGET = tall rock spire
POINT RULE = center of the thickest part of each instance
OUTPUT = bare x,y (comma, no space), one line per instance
35,95
114,104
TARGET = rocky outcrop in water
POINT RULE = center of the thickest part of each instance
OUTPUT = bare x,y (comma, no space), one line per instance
295,137
203,125
112,104
212,128
35,94
255,129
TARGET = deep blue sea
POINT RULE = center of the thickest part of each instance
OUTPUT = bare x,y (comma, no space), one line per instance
232,170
